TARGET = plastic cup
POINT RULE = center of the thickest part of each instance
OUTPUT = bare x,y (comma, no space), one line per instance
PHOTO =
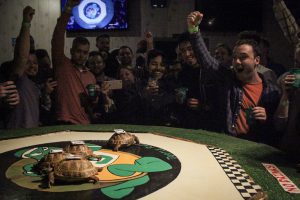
91,90
181,94
296,72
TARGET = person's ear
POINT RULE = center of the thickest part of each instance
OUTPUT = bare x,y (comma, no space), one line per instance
257,60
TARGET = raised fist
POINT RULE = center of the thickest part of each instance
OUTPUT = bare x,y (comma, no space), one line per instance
194,19
149,36
28,13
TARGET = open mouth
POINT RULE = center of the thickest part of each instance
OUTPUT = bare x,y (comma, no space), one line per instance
239,69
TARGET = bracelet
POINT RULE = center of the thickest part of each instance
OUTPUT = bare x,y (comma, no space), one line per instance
26,24
194,29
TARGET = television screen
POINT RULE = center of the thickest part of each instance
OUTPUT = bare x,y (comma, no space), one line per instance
95,15
230,15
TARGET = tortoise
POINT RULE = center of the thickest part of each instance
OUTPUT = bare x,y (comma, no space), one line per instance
80,148
73,170
122,139
47,163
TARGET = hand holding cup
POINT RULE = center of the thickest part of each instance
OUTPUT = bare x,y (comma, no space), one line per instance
9,92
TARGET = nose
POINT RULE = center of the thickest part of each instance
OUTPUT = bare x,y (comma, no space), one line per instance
236,61
186,53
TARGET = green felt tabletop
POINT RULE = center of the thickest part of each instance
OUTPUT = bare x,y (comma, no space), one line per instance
248,154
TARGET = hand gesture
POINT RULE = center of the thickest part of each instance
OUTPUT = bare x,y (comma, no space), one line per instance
6,87
287,83
50,85
259,113
152,88
192,103
104,88
194,19
149,37
28,13
9,91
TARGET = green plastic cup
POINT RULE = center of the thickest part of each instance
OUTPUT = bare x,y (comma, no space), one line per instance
296,72
91,90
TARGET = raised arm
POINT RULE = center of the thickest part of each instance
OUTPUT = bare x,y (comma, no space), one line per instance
286,22
22,47
149,40
58,38
203,56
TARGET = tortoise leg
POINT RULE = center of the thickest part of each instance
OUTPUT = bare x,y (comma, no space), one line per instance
50,179
97,156
99,169
93,156
94,178
116,147
136,139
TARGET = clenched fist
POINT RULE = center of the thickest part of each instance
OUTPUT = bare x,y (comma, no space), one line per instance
28,13
194,19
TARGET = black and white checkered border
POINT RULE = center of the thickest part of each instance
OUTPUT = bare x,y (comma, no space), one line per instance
240,179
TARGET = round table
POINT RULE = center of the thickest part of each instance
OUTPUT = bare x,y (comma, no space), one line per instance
249,155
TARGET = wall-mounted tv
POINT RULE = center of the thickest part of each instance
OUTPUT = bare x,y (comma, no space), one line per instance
98,15
230,15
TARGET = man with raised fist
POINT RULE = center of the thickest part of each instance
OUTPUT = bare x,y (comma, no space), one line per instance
72,100
249,100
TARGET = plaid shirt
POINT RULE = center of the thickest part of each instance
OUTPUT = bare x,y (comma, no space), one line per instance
286,22
232,90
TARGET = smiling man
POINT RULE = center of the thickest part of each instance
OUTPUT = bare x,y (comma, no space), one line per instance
200,110
249,100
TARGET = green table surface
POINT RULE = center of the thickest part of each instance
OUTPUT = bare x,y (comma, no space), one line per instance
248,154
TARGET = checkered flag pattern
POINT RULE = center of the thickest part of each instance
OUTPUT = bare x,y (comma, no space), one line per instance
240,179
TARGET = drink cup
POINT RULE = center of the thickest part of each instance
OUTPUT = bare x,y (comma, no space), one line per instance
181,94
296,72
91,90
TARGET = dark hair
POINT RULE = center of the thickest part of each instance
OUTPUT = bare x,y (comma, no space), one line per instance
255,47
129,68
102,36
41,53
80,40
114,52
125,47
95,53
153,54
225,46
249,35
183,37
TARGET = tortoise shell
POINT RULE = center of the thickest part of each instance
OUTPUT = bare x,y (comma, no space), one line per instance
82,150
73,170
47,163
78,149
119,140
77,168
